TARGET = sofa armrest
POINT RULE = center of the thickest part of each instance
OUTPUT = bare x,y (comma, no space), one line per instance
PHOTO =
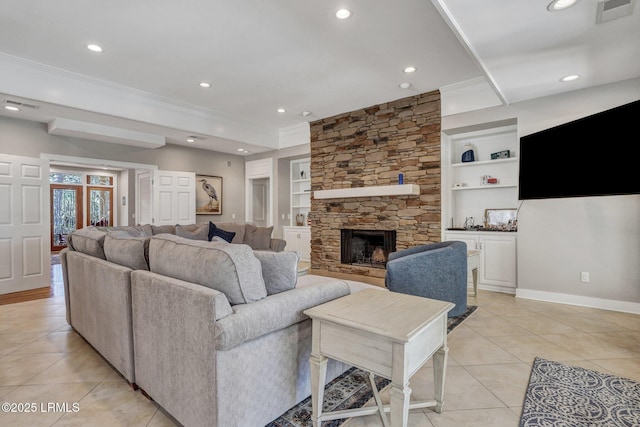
273,313
277,245
173,335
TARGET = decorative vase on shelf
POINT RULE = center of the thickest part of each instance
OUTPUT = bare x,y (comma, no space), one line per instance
468,155
300,220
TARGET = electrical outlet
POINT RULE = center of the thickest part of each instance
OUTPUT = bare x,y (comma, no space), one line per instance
584,276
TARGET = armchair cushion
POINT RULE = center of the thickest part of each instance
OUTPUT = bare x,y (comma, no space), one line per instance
437,271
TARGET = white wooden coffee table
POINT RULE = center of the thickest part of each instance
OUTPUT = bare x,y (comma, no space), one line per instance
386,333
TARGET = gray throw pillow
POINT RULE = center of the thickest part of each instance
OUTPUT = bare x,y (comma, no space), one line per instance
193,231
89,240
279,270
258,237
230,269
132,252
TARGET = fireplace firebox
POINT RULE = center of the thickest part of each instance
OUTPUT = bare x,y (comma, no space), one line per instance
366,248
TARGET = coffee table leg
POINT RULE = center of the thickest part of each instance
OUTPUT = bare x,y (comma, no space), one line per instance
318,365
439,373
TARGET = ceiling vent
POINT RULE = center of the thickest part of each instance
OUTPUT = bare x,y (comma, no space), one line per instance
20,104
609,10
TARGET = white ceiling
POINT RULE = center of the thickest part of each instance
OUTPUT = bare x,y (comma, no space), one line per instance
260,56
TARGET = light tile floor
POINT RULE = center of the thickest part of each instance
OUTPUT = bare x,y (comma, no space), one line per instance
43,361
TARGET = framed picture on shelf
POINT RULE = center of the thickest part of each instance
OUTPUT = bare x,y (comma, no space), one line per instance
208,195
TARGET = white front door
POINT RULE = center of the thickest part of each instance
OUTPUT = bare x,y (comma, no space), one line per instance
25,253
174,198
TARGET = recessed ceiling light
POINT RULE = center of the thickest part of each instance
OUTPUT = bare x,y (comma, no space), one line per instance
94,48
570,78
306,113
410,69
343,14
556,5
205,84
281,110
405,85
191,140
240,149
11,108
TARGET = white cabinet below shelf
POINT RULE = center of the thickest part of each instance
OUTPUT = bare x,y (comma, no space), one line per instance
497,258
298,240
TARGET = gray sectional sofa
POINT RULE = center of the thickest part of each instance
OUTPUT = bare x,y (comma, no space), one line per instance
213,331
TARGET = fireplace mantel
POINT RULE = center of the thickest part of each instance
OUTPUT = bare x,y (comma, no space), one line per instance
374,191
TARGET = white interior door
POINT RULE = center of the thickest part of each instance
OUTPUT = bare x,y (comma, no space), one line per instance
144,197
174,198
25,253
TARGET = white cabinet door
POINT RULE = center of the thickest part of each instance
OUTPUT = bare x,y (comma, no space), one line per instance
470,239
298,240
498,261
497,258
25,251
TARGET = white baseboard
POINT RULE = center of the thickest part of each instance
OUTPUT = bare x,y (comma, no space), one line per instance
605,304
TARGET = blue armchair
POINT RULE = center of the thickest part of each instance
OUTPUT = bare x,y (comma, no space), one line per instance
437,271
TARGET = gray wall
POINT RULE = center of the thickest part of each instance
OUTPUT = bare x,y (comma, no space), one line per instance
26,138
559,238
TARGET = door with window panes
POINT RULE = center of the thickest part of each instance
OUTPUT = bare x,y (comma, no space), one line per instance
78,199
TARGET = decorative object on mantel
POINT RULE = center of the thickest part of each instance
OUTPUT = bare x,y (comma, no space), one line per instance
400,179
208,195
376,191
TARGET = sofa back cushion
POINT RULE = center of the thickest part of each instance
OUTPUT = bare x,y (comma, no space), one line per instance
279,270
130,230
162,229
132,252
88,240
230,269
233,227
259,238
193,231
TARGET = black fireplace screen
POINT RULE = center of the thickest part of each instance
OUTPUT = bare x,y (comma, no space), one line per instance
367,248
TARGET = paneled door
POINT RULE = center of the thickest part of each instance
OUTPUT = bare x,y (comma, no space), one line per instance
25,252
66,213
100,206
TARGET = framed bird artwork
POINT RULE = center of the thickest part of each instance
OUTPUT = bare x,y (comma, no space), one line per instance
208,195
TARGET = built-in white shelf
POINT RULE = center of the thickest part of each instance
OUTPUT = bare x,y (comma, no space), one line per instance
484,162
381,190
484,187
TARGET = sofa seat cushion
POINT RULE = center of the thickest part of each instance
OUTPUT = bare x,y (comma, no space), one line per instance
230,269
88,240
279,270
274,312
259,238
132,252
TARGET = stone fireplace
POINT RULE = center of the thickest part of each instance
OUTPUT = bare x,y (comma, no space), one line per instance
367,149
366,248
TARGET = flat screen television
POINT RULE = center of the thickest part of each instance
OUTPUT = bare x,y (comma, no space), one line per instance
597,155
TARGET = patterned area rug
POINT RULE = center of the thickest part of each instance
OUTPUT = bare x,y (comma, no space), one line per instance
560,395
349,390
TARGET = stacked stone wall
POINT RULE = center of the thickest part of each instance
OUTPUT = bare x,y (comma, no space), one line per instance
371,147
